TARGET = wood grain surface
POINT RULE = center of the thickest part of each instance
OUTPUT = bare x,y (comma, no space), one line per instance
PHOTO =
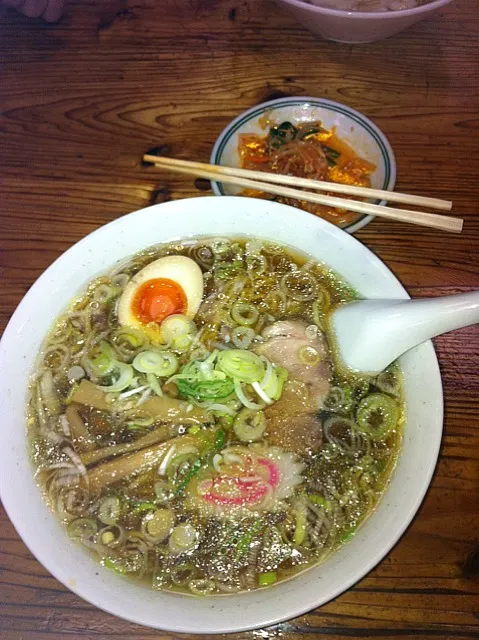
83,99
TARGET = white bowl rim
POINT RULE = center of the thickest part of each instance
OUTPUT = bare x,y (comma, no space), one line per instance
45,556
367,15
379,137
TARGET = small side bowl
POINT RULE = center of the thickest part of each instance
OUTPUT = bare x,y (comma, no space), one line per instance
356,27
351,125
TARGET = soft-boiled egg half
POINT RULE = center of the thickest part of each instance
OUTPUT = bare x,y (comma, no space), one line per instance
167,286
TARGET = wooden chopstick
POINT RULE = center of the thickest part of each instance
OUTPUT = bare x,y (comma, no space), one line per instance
333,187
435,221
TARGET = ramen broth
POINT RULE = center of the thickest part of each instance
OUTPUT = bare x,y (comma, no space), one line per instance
214,449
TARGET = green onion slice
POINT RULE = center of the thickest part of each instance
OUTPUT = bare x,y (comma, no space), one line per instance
157,525
244,314
242,337
160,363
109,510
389,381
183,538
249,425
82,528
124,378
377,414
205,390
241,365
267,578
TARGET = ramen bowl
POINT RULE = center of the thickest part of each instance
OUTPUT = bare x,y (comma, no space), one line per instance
100,251
354,128
353,26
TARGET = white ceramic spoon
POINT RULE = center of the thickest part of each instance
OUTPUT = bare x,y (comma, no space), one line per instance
370,334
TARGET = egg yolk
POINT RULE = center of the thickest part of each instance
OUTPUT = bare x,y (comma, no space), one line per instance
157,299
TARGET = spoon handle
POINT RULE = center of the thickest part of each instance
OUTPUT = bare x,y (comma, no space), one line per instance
373,333
426,318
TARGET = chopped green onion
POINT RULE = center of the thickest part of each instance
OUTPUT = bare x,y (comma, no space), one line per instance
247,538
262,394
163,490
182,343
191,473
157,525
132,392
377,414
243,398
299,285
347,535
205,390
109,510
82,528
103,362
180,462
323,299
241,365
182,539
124,379
178,331
220,410
249,425
389,381
200,382
131,426
320,501
71,393
220,439
361,387
144,506
242,337
129,340
145,421
112,565
118,565
107,538
161,363
265,579
103,293
244,314
194,429
113,536
300,525
182,572
273,381
340,399
154,384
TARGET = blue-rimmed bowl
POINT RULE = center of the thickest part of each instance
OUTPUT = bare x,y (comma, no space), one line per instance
351,126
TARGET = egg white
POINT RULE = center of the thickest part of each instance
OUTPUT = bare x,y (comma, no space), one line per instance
182,270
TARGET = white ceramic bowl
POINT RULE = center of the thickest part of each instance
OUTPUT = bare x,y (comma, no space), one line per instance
99,251
353,127
353,26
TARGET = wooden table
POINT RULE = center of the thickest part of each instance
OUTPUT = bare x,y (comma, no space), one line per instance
82,100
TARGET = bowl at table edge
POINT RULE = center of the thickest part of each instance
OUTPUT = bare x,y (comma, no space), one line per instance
99,252
356,27
353,127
